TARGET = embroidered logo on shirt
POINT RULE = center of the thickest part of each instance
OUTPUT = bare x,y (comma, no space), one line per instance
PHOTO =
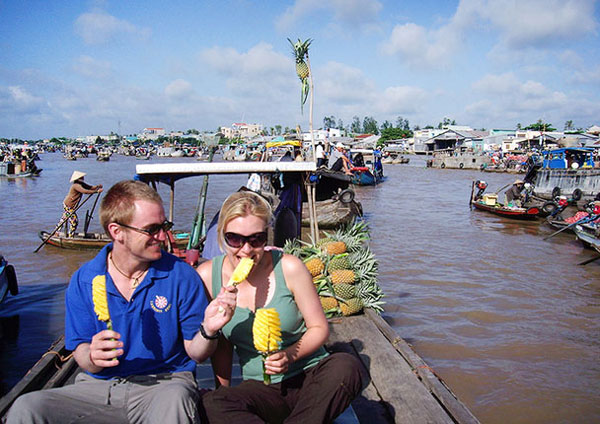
160,304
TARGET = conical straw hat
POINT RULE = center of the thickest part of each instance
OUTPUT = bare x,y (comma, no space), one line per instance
76,175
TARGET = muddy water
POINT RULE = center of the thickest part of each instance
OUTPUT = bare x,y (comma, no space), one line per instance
509,321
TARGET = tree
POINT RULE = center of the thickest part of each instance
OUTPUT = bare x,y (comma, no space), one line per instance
540,126
386,124
569,125
370,125
446,122
340,124
519,126
402,123
278,129
328,122
355,126
394,134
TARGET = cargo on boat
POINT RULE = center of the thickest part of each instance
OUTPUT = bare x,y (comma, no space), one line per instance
458,159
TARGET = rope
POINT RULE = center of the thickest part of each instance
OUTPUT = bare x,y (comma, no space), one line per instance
62,359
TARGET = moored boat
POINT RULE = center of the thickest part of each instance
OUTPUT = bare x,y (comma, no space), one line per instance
82,241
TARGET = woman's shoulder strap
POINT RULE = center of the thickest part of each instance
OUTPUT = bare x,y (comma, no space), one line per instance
217,267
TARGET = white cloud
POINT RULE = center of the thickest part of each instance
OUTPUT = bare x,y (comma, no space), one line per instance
98,27
92,68
18,99
351,12
178,89
525,23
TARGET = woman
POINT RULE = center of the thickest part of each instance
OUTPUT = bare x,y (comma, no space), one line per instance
308,384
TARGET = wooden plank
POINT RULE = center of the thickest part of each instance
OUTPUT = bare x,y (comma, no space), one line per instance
403,394
432,381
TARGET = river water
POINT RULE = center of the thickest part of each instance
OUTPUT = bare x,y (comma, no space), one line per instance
509,321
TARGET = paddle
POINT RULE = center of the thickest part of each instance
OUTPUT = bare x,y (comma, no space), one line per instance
89,216
581,221
59,226
589,260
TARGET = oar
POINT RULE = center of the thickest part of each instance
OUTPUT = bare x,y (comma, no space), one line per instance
581,221
89,216
589,261
59,226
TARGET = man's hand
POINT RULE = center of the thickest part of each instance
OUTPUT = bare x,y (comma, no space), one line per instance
105,348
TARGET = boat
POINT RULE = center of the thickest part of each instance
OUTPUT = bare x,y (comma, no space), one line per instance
79,241
14,170
588,235
458,159
368,168
103,156
489,203
8,279
333,213
398,386
568,171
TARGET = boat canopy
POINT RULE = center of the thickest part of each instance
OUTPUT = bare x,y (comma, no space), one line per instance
294,143
569,158
169,172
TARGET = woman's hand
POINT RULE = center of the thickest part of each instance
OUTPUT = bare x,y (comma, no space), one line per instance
220,311
277,363
105,348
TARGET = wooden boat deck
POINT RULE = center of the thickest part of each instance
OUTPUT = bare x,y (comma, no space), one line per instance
399,386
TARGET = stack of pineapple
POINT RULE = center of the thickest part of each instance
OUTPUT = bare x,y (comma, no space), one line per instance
344,270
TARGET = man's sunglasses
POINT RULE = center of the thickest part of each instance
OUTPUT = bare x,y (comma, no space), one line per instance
152,230
236,240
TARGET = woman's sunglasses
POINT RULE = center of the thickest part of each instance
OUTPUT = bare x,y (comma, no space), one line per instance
152,230
236,240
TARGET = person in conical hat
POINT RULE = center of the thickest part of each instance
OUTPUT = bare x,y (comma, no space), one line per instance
513,194
78,188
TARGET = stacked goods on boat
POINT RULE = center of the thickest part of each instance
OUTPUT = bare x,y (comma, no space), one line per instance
344,270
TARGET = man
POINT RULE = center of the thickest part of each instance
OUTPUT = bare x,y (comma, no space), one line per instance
143,370
338,161
513,194
77,190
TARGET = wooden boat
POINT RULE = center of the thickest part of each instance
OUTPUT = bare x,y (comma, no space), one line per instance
398,385
489,203
364,176
588,235
83,241
8,279
12,171
507,211
333,213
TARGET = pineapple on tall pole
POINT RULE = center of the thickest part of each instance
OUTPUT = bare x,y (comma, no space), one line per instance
300,51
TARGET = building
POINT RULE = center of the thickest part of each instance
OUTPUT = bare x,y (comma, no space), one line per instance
152,133
242,130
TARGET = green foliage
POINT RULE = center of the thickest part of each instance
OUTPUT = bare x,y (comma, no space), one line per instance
540,126
394,134
329,122
370,125
355,126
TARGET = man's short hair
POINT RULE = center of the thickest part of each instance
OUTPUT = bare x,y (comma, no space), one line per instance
118,204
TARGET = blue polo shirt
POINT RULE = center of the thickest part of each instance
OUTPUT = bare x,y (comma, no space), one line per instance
165,309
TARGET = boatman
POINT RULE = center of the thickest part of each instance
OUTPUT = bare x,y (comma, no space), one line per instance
78,188
513,194
338,161
141,370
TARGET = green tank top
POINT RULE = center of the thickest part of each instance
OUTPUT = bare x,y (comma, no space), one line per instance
239,330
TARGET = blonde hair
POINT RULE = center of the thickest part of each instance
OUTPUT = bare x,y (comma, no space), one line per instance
118,205
240,204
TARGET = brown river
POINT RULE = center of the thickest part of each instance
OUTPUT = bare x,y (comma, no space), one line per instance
509,321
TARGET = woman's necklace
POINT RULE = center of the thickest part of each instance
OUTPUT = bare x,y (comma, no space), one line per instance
136,280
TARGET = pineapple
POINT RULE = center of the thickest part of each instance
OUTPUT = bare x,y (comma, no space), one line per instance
351,306
344,291
342,276
300,51
100,301
328,302
266,333
241,271
339,262
334,248
315,266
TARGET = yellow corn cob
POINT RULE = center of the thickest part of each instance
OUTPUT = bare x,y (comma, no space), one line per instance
99,299
266,332
241,271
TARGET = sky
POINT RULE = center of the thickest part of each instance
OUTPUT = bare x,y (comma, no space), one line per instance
76,68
